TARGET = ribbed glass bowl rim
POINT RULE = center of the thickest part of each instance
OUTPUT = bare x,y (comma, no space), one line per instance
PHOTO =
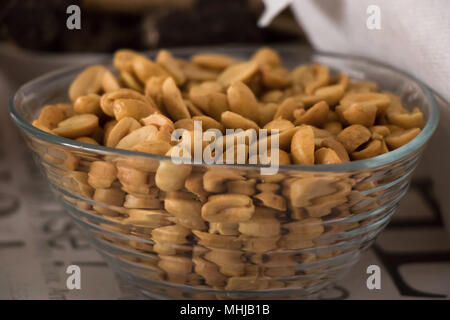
370,163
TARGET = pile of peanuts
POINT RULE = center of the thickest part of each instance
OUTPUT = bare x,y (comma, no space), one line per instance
216,226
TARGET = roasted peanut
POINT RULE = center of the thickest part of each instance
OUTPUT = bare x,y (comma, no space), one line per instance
238,72
213,60
267,113
223,228
302,191
110,197
175,265
379,100
242,101
231,120
302,146
215,180
147,218
332,143
310,78
77,126
88,81
145,69
175,234
171,176
102,174
109,82
287,108
49,117
247,283
406,120
194,184
316,115
137,136
229,261
130,81
156,146
359,114
246,187
354,136
305,229
173,101
123,59
272,96
187,124
279,124
194,72
331,94
88,104
78,182
211,103
259,244
168,62
274,259
373,149
186,211
153,89
87,140
267,56
362,86
333,127
132,108
397,139
121,129
210,272
326,156
107,100
210,240
272,200
139,201
262,224
274,78
229,208
209,123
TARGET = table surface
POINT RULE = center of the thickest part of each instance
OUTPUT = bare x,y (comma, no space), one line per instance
38,240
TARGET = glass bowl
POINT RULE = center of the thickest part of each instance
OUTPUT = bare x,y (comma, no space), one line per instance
334,212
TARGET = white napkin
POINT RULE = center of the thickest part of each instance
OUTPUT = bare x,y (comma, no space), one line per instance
414,35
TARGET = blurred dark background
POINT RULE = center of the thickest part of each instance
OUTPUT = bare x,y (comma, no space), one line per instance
40,25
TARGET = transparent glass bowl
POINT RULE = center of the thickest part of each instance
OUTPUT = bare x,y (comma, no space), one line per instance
334,211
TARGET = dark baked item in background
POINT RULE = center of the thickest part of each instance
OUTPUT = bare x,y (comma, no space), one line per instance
41,25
